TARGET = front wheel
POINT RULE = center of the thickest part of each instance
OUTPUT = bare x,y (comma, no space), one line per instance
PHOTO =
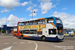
43,38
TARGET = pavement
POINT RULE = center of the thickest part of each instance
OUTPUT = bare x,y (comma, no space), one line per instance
13,43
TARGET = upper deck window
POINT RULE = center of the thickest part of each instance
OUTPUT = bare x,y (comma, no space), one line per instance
39,22
42,21
22,24
58,21
19,24
36,22
26,23
31,22
50,20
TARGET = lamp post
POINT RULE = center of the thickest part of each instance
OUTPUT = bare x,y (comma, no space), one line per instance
32,13
6,25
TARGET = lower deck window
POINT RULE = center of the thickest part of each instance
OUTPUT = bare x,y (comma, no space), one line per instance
52,31
29,32
40,33
33,31
15,31
26,31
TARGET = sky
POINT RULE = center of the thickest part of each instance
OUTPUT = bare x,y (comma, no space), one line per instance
12,11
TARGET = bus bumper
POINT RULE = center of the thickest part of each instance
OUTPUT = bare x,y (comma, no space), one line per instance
53,39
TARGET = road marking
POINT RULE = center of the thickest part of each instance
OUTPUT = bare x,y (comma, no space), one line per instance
61,47
48,44
15,42
22,42
6,43
65,47
8,48
35,44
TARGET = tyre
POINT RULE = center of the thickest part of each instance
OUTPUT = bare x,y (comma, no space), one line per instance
15,35
21,37
43,38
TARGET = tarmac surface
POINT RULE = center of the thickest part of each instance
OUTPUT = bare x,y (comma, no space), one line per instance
13,43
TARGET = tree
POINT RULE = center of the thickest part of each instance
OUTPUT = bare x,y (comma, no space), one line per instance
3,31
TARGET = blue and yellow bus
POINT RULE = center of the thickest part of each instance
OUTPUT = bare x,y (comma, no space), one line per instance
49,28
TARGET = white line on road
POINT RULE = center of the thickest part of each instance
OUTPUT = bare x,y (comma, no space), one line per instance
49,44
35,44
8,48
61,47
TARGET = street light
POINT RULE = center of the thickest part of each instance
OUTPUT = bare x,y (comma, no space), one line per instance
6,25
32,13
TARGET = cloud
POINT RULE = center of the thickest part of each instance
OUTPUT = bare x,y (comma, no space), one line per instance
62,15
45,0
68,19
10,4
34,12
64,8
29,8
5,10
12,20
55,12
25,3
46,6
34,5
2,21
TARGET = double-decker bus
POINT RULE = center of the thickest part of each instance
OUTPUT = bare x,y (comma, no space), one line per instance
49,28
14,32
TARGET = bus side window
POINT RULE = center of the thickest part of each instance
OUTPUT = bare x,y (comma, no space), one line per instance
26,31
36,22
42,21
19,24
40,33
39,22
31,22
33,32
22,24
27,23
50,20
52,31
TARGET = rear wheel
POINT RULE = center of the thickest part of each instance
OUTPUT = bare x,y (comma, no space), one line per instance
43,38
15,35
21,37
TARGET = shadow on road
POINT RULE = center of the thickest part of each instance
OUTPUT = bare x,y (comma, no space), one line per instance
43,41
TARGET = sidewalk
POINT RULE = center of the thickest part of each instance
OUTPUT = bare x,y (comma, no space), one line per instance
4,34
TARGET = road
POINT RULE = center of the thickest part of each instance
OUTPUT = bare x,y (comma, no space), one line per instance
13,43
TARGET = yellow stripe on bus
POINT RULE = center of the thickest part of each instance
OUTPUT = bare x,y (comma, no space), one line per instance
39,27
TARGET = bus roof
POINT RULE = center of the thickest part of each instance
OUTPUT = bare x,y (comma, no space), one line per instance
39,19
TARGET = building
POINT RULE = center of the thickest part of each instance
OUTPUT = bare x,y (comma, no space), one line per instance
8,29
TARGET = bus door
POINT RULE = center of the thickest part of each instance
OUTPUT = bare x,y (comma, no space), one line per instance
52,31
